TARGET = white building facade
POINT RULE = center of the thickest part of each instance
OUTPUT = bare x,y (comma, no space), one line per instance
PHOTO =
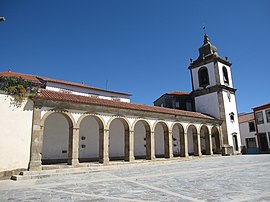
262,119
72,123
248,133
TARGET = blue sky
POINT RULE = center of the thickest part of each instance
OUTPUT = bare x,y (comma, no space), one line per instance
141,47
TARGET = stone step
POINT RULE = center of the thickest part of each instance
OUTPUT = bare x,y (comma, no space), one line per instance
28,175
61,170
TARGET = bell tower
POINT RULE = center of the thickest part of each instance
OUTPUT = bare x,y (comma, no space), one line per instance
214,93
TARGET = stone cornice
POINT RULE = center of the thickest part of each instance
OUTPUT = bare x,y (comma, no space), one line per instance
115,111
212,89
208,59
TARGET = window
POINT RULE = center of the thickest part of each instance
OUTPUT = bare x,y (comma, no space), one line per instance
225,75
177,104
232,116
251,126
65,91
188,106
267,113
203,77
161,104
259,118
251,142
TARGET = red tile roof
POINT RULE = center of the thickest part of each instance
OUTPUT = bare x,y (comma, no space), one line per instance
38,79
27,77
178,93
262,107
242,118
66,97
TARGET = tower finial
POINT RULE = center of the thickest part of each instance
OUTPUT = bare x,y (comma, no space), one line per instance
206,39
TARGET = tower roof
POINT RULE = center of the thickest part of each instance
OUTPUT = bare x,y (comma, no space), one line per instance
207,53
207,48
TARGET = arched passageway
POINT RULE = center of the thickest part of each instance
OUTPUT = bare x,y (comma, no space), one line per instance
91,128
57,137
118,139
161,140
178,140
216,141
142,140
192,134
205,140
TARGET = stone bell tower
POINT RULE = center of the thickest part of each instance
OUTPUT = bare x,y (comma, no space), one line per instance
214,93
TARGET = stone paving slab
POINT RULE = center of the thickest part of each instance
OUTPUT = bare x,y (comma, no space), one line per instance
234,178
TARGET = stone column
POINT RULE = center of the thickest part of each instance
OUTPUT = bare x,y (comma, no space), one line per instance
168,144
186,144
36,141
199,150
210,152
129,146
182,144
73,148
150,145
104,146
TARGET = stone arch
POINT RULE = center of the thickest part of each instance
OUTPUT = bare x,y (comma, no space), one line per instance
124,120
90,137
142,139
161,133
98,118
119,138
216,146
57,137
193,145
178,139
205,140
66,114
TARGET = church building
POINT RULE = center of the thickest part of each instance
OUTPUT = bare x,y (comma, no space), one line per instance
66,123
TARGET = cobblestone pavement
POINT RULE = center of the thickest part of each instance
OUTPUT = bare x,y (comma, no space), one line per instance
234,178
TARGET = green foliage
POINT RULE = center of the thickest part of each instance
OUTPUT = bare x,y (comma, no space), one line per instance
17,88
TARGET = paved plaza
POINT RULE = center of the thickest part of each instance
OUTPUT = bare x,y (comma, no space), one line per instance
234,178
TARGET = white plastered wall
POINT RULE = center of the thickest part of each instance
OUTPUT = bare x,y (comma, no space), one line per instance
86,92
139,140
89,138
208,104
232,126
245,133
159,140
55,137
15,135
117,139
265,127
176,140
